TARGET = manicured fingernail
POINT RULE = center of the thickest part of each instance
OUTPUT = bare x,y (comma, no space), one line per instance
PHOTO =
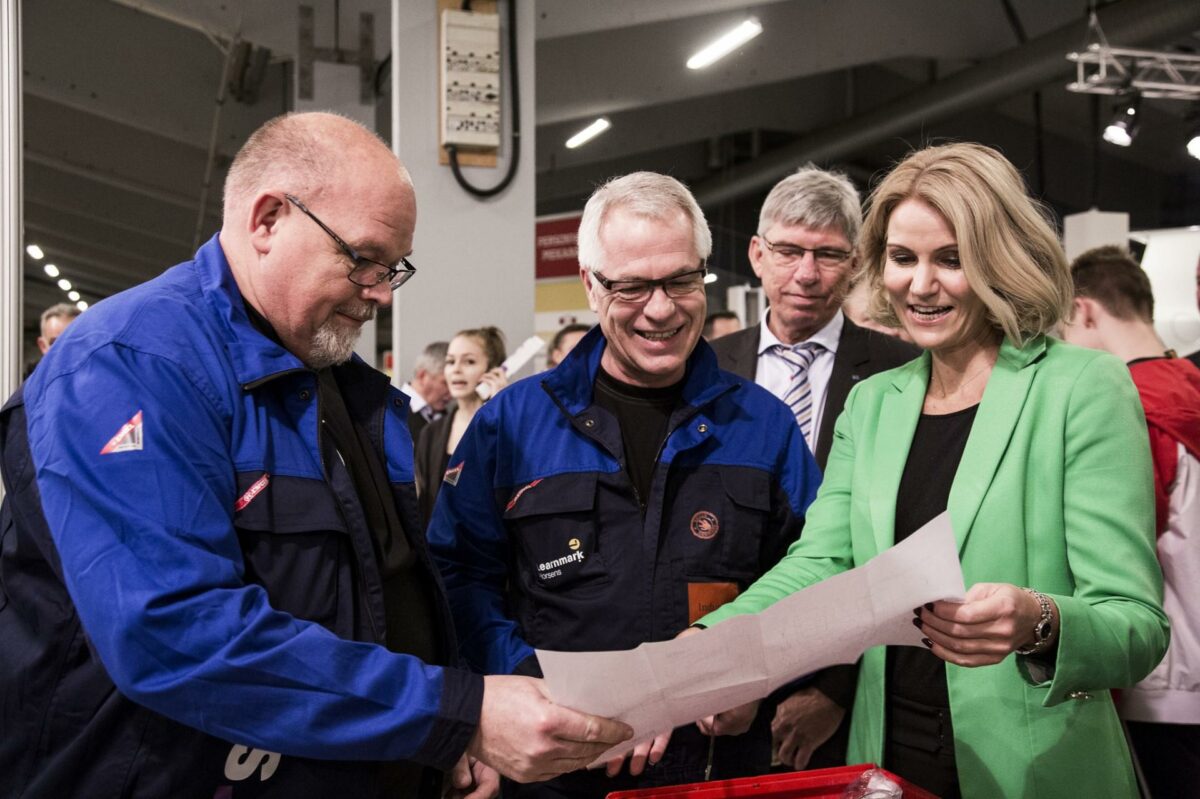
916,622
929,606
917,612
927,642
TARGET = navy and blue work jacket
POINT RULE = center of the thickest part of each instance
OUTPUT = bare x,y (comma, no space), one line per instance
191,604
543,541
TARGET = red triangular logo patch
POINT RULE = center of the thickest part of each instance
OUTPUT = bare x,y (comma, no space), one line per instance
127,439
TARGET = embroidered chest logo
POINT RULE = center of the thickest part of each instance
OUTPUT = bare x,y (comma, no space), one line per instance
453,473
550,569
127,439
253,491
705,525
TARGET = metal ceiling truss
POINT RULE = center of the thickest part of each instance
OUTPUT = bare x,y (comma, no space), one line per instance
1102,69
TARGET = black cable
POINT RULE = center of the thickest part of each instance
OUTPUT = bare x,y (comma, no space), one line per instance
452,150
380,73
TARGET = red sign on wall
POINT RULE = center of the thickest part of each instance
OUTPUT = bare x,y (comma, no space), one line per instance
555,246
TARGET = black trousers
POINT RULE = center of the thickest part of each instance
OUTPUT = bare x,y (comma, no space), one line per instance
920,746
1169,755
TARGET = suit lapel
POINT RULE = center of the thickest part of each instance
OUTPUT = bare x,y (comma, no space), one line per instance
1003,400
848,369
898,415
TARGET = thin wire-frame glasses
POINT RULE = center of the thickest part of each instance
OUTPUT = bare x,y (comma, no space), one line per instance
364,272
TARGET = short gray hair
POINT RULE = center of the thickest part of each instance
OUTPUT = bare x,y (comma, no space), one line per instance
433,358
645,194
63,309
816,198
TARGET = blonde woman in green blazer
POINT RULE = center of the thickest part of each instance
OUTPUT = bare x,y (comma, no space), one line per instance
1049,492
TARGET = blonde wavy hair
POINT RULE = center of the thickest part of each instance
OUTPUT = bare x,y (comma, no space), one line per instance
1010,254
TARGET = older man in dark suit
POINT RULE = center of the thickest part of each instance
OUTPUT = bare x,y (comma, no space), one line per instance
807,353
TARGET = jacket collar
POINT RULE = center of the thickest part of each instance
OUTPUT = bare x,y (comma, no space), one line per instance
999,410
255,357
572,381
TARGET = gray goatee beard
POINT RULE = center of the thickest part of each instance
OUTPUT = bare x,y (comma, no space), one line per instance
333,343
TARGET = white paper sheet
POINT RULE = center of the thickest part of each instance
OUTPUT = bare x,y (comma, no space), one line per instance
659,686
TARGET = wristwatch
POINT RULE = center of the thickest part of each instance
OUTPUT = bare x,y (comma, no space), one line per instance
1044,627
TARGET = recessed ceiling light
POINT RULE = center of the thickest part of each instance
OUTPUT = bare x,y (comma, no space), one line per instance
35,252
51,270
725,44
711,277
587,134
82,305
64,284
73,296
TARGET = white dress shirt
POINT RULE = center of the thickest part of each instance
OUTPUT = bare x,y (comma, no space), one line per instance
774,374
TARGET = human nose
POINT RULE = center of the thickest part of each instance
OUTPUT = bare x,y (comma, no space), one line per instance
805,269
658,304
380,294
924,279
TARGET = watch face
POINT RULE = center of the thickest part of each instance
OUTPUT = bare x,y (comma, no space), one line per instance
1043,630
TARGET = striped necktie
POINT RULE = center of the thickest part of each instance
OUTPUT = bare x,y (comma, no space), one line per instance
799,397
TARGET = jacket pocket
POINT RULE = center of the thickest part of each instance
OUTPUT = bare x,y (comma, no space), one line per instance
553,522
724,514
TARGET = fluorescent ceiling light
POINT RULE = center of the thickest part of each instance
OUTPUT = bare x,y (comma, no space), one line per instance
81,305
1193,145
73,296
726,44
35,252
711,277
587,134
51,270
64,284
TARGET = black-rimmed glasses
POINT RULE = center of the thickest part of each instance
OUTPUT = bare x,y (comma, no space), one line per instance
676,286
364,272
788,255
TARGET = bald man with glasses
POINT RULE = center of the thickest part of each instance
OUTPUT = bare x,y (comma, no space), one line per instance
613,500
215,581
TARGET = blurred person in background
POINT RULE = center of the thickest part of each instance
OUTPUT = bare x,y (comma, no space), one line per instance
472,358
1114,311
427,388
721,323
564,341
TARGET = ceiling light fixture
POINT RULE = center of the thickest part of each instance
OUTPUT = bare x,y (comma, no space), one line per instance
711,277
587,134
725,44
1193,142
81,305
1124,125
73,296
35,252
64,284
51,270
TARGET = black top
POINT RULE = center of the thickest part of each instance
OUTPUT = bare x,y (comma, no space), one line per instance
643,414
430,460
937,447
1194,358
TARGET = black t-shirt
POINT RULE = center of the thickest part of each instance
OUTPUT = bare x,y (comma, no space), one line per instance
643,415
916,673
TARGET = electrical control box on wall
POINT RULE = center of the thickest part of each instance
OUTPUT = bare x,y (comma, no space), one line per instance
470,67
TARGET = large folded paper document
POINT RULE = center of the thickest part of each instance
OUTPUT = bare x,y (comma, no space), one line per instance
663,685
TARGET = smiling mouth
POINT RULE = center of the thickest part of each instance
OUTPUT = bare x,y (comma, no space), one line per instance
930,313
654,335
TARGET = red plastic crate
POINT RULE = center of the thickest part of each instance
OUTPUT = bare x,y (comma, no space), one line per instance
825,783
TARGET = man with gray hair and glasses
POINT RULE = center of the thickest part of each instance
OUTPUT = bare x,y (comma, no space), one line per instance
214,580
612,500
807,353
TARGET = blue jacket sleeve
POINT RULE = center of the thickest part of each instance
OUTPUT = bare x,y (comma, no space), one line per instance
152,562
471,547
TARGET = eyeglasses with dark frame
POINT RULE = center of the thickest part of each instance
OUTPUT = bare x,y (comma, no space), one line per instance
364,272
633,291
788,254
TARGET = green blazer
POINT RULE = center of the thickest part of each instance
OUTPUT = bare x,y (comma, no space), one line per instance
1054,492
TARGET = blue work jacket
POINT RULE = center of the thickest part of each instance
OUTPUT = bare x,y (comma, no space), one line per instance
191,605
543,541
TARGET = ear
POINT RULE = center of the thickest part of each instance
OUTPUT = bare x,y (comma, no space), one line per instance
756,252
1086,313
263,218
585,275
